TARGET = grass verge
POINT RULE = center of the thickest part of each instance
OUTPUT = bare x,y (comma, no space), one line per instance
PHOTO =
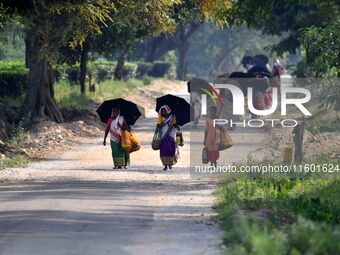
280,216
68,95
14,161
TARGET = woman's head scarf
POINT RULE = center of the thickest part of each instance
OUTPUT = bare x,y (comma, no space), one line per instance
167,109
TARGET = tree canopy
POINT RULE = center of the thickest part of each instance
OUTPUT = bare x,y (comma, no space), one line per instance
282,17
71,30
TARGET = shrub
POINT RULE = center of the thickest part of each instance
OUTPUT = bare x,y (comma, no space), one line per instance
171,58
73,75
102,74
160,69
59,71
301,70
128,73
13,78
57,75
143,69
147,80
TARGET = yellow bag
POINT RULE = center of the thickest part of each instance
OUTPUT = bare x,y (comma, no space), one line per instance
135,143
125,141
226,141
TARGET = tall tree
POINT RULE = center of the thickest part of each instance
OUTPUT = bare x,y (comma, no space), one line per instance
282,17
189,16
78,54
48,25
324,43
133,20
217,51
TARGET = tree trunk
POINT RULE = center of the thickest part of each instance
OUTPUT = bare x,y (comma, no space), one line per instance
40,101
183,48
119,71
182,55
83,66
152,46
221,61
158,46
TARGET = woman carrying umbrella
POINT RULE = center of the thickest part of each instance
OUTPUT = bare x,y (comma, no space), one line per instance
118,115
168,149
173,111
115,124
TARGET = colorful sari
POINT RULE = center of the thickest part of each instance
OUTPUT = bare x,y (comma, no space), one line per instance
119,157
168,150
212,140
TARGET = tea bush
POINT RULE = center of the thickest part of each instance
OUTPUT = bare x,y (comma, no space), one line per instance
13,78
159,69
143,69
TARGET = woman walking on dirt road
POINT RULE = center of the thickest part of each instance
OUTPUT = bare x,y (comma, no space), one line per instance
212,137
168,149
115,125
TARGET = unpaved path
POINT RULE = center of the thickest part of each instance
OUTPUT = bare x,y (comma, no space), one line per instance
75,204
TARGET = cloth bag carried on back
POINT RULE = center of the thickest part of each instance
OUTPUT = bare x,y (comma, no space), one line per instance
225,140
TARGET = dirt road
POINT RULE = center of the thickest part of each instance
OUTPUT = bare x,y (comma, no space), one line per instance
74,203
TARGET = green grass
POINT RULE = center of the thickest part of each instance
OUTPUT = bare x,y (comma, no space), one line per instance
15,161
281,216
104,62
69,96
20,157
12,101
327,122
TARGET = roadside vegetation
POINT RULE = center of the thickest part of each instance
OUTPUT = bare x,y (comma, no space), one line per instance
292,216
282,216
67,95
11,152
13,78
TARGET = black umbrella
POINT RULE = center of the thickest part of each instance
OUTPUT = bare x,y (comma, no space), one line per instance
259,71
234,75
222,79
245,80
179,106
129,110
260,60
246,60
195,85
